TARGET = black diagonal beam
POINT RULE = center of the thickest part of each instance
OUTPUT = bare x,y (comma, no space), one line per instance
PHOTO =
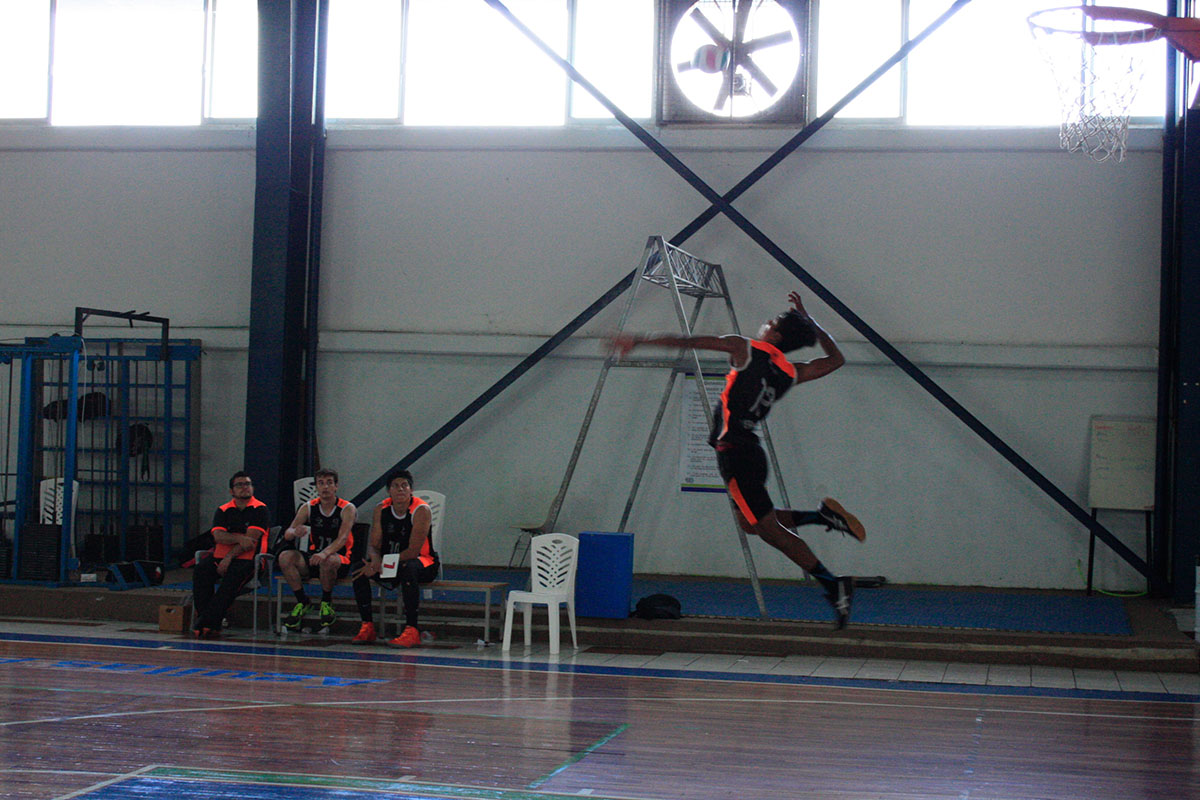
844,311
547,347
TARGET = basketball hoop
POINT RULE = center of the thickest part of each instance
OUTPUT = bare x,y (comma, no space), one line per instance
1098,68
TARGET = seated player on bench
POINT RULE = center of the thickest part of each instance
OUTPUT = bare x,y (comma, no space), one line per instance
400,527
329,521
239,529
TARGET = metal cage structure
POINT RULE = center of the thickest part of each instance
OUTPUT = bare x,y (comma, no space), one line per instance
109,429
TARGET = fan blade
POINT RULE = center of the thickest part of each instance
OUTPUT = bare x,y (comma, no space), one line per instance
758,75
705,25
767,41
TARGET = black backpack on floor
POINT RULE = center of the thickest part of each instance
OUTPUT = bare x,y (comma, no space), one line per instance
658,606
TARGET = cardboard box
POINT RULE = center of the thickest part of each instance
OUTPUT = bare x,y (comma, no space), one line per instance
173,619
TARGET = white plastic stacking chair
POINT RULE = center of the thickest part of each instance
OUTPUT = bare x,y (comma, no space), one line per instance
437,512
552,562
51,496
303,490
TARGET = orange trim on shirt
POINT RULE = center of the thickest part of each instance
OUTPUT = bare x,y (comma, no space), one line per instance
777,357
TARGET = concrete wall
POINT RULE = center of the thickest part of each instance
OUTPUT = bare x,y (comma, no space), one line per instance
1023,279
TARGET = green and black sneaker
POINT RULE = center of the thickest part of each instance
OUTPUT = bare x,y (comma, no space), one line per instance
296,618
328,616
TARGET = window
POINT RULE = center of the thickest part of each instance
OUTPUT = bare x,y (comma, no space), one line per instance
459,62
24,58
128,62
363,65
614,50
849,49
233,59
982,67
467,65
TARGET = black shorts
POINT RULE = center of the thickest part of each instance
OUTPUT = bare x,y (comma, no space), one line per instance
313,572
743,467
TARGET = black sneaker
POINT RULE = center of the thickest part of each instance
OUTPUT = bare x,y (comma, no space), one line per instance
328,616
839,519
840,600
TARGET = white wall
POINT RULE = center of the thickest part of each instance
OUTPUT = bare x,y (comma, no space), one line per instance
1022,279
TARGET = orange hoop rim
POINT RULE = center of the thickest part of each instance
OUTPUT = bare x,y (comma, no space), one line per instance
1182,32
1147,33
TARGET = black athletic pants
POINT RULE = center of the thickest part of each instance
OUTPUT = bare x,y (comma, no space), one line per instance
212,601
409,577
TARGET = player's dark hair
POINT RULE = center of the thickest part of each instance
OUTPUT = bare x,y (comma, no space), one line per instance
397,475
326,472
795,331
236,475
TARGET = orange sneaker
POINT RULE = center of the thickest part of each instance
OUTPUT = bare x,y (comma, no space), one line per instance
410,637
834,517
365,635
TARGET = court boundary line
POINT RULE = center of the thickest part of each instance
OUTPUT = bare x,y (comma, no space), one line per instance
359,783
94,787
468,662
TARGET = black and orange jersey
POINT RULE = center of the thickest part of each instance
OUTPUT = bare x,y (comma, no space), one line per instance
324,528
252,520
750,392
397,529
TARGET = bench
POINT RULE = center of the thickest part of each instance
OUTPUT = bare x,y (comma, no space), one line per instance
437,507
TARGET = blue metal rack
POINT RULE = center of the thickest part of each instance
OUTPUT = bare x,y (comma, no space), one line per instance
119,423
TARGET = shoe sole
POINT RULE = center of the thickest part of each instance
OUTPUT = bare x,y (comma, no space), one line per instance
856,528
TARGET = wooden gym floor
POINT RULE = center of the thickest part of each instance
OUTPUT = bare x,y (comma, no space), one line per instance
111,711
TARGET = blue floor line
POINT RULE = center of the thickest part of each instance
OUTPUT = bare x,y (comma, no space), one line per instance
600,669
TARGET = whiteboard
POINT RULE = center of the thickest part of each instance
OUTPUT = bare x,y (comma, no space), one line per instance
1122,463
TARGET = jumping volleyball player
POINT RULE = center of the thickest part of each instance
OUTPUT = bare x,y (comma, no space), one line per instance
760,375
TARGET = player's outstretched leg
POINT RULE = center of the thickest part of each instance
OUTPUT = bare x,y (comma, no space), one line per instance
840,599
837,518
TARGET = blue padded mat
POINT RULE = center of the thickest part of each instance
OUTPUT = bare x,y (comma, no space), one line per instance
933,608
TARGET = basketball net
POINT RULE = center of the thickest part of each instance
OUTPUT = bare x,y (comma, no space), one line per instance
1094,54
1098,66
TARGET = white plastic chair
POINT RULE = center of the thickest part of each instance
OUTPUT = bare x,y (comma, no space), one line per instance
437,512
553,558
303,490
52,491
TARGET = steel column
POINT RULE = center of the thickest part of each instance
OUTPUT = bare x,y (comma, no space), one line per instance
275,389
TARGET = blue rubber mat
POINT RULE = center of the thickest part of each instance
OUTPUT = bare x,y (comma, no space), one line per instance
932,608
